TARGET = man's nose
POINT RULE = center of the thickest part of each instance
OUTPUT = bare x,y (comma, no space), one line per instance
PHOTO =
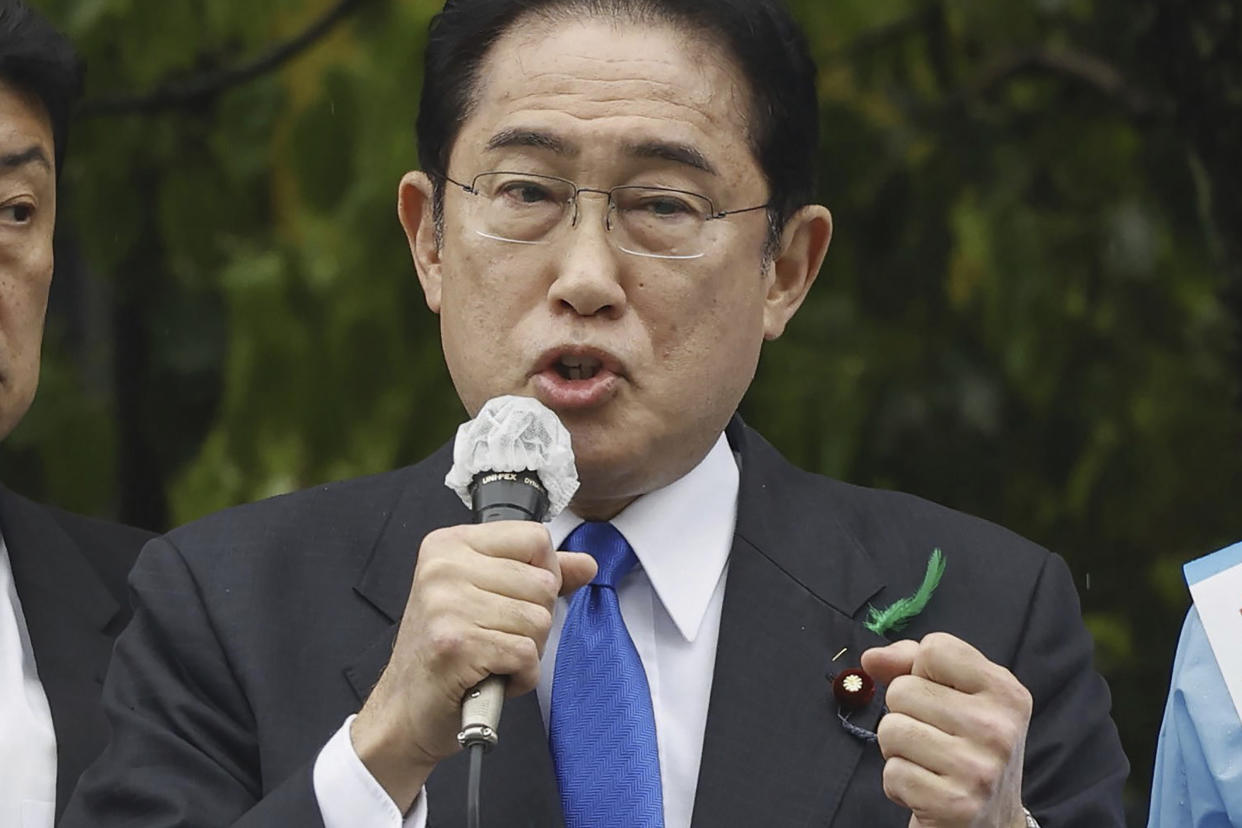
588,277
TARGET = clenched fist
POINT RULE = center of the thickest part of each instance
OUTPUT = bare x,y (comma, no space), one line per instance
954,736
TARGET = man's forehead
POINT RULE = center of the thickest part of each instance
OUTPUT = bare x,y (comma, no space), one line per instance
652,91
600,54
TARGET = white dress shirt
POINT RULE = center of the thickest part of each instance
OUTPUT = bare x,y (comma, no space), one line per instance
670,603
27,738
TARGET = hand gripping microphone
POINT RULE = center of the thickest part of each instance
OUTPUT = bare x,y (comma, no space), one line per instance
511,462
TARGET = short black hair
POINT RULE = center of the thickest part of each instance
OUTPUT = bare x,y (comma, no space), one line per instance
765,43
40,61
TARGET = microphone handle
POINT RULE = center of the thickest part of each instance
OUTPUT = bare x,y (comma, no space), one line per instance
480,713
497,496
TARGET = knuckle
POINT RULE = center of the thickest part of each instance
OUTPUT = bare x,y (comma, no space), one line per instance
901,692
527,652
1001,734
895,727
962,805
512,655
886,735
548,599
1020,697
540,618
893,780
981,778
445,641
433,568
532,538
890,779
1010,733
443,537
991,734
523,681
534,533
936,644
548,584
530,619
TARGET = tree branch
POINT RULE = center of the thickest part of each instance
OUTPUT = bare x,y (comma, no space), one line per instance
888,34
1084,68
199,89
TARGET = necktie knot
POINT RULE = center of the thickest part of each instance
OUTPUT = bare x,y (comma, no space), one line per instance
607,546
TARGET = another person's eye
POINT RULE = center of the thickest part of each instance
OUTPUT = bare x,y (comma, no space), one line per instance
17,213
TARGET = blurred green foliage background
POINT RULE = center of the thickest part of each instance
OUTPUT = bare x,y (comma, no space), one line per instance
1031,310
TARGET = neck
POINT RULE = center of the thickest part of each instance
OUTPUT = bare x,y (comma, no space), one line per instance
599,509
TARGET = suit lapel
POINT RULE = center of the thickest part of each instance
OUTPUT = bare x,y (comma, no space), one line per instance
774,752
518,785
72,618
423,506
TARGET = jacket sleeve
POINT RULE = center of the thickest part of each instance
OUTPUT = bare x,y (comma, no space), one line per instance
183,748
1075,768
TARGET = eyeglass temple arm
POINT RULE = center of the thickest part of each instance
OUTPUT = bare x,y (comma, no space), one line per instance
726,213
467,187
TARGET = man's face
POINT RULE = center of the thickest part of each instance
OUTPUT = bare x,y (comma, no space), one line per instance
27,217
664,348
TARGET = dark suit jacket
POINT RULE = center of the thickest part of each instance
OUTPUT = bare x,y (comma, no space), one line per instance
70,575
258,630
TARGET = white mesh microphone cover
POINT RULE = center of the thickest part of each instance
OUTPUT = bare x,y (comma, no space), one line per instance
513,434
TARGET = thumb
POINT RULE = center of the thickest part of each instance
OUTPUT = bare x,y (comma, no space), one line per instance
887,663
577,570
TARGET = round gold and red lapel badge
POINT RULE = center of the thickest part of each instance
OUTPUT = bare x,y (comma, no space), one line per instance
853,688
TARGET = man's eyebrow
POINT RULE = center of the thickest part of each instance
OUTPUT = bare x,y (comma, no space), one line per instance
32,154
671,151
674,151
522,137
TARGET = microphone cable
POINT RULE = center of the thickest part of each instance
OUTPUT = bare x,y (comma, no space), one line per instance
473,783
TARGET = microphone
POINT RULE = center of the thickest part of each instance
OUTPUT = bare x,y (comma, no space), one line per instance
511,462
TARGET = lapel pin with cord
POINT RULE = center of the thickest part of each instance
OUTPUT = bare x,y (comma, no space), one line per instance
852,687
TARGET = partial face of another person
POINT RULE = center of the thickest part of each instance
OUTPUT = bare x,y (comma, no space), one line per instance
644,358
27,218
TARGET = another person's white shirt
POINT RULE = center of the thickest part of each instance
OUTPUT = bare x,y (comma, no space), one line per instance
27,738
671,605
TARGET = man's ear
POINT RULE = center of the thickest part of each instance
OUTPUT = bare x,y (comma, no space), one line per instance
414,208
804,243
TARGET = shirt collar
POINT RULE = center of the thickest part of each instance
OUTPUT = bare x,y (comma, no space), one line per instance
681,535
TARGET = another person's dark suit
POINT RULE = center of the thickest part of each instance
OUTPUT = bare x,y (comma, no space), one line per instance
259,629
70,575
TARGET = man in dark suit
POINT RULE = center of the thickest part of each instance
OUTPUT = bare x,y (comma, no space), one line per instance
69,575
62,576
723,580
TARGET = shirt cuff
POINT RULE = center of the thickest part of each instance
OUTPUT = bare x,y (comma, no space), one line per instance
349,796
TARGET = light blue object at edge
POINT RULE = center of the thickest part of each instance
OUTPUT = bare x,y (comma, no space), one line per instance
1198,776
1203,568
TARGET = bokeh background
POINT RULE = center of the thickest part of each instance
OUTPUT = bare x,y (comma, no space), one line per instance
1031,310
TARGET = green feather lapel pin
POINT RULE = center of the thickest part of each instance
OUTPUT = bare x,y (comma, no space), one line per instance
903,610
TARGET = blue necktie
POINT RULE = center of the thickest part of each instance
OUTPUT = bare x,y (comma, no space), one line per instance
602,729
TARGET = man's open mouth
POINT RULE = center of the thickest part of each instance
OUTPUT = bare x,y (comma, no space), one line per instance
573,367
